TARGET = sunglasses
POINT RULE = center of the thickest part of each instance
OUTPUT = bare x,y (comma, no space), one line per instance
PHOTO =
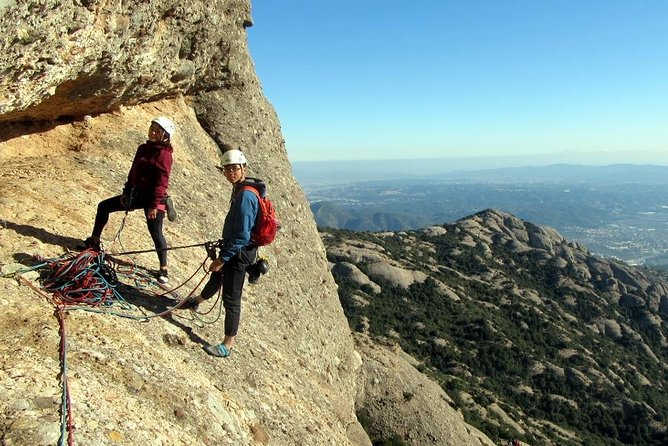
230,168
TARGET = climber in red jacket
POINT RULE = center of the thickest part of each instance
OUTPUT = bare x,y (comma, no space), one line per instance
145,188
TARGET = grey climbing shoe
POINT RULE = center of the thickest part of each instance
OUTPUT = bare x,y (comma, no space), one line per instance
171,210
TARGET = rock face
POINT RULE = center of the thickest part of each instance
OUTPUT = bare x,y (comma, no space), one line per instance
378,263
80,82
91,57
398,399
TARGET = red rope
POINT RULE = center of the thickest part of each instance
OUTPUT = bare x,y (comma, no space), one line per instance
67,401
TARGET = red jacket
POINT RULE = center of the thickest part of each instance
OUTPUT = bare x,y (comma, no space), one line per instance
149,174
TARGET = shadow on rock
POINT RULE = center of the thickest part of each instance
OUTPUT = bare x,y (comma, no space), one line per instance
26,259
68,243
155,303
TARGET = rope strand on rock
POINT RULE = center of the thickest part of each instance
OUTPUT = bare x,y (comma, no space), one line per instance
66,416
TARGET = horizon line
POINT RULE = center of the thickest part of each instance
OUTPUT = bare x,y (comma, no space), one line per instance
554,163
593,158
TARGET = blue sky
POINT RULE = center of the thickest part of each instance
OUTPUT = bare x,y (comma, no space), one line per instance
437,79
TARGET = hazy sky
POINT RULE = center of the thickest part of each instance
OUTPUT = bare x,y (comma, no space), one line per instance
395,79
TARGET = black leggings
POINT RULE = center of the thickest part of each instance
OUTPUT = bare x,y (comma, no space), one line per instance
231,277
113,204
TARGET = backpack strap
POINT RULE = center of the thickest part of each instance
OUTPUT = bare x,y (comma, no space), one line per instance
252,189
259,200
259,209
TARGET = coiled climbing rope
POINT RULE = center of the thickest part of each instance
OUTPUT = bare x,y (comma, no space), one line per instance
88,278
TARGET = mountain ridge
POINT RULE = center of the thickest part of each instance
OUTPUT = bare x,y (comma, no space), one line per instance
492,303
611,214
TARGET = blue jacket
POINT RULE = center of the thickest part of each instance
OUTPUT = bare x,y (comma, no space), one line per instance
240,219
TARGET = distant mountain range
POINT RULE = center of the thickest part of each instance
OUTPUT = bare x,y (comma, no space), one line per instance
530,334
618,210
474,169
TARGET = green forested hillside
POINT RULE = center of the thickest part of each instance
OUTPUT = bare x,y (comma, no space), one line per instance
572,348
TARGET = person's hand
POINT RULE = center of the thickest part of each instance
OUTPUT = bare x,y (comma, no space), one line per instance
152,213
216,265
125,201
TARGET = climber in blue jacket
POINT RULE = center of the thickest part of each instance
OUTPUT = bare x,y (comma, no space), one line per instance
237,251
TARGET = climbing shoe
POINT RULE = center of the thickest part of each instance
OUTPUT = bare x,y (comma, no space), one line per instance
256,270
90,243
171,210
192,303
218,350
162,276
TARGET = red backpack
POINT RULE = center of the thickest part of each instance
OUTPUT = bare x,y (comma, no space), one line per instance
266,224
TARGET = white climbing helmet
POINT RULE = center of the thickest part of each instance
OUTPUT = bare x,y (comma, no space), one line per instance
166,124
234,157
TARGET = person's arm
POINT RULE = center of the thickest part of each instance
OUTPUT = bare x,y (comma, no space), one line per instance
163,168
127,187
